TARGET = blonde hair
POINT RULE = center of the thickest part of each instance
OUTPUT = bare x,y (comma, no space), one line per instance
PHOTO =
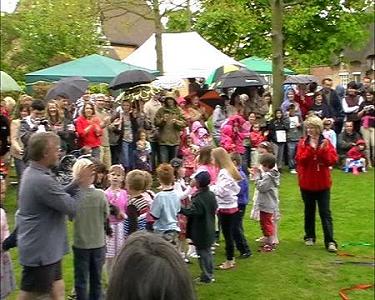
117,168
315,122
135,180
79,165
223,161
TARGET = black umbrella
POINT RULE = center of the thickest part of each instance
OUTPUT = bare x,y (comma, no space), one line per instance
300,79
71,88
241,78
131,78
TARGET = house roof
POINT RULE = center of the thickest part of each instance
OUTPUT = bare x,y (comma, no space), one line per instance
131,24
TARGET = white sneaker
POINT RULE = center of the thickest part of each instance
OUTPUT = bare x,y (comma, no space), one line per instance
293,171
332,247
309,242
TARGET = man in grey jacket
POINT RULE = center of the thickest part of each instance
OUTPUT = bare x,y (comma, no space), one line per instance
41,219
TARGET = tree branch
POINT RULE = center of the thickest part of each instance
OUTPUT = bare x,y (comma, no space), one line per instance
294,3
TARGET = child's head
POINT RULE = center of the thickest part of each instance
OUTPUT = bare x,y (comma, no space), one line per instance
361,145
236,158
252,118
256,127
81,164
148,180
116,175
165,174
135,181
142,135
222,160
267,161
292,109
318,97
278,114
327,123
265,147
202,179
204,157
101,172
179,170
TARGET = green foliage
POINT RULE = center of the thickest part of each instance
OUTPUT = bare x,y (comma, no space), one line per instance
101,88
47,30
178,21
314,30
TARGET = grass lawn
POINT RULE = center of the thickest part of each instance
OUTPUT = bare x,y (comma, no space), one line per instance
293,271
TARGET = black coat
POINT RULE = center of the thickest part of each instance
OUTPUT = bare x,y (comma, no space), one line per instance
202,218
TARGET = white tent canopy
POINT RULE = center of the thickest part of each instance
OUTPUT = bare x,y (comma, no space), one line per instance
185,55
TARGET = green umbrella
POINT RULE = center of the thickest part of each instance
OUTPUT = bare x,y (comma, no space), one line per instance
7,83
261,66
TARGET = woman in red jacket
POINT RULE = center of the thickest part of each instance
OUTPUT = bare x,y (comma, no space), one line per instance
315,155
89,130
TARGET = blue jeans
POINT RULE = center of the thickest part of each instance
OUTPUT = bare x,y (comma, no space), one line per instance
127,155
292,147
20,166
95,153
167,153
88,264
154,155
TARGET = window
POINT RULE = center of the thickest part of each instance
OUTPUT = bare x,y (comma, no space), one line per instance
344,79
356,76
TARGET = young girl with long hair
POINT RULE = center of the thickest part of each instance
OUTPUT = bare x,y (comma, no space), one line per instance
226,190
117,198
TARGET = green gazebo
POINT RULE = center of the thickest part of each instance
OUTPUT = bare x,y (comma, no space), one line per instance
95,68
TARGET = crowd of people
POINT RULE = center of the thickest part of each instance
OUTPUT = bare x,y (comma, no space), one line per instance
174,167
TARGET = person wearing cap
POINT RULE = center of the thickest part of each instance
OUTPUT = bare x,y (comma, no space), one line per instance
170,122
202,217
356,157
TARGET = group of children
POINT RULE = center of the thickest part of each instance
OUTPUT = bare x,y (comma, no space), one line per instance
185,211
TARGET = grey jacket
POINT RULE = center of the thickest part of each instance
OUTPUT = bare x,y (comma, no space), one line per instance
41,220
267,186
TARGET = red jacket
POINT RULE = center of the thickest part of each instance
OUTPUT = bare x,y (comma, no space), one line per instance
355,153
313,164
91,138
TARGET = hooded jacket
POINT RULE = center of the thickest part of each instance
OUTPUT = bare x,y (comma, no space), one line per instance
169,132
267,186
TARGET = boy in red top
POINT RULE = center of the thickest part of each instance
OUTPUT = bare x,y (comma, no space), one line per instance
315,155
356,157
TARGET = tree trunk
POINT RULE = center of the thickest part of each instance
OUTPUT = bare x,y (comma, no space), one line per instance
188,11
277,7
158,37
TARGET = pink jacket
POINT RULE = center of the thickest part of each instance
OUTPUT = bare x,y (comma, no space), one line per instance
233,133
117,199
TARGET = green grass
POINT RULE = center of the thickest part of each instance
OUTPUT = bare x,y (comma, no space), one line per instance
293,271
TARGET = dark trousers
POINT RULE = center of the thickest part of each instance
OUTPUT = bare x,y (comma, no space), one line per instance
227,224
322,198
206,263
238,231
88,265
167,153
154,155
115,154
246,159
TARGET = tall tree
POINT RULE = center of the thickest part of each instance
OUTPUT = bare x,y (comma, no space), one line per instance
48,32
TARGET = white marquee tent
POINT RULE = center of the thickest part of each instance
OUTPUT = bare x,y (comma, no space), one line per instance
185,55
